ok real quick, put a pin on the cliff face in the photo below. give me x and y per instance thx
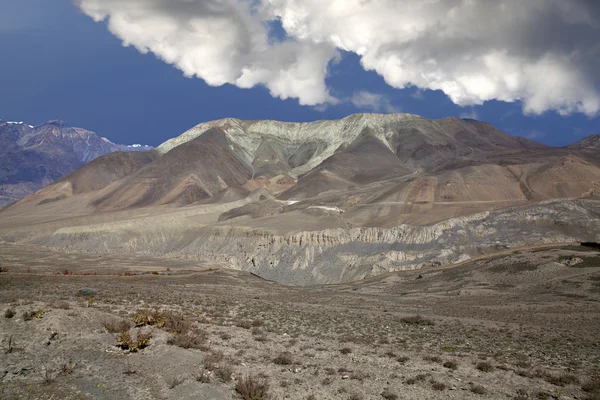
(331, 255)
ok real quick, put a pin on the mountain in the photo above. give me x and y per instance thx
(590, 142)
(324, 201)
(32, 157)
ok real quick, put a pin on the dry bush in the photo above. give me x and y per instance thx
(176, 322)
(31, 314)
(195, 339)
(284, 358)
(127, 342)
(244, 324)
(203, 376)
(592, 386)
(150, 317)
(212, 359)
(346, 350)
(453, 365)
(485, 366)
(417, 320)
(402, 359)
(477, 389)
(387, 395)
(434, 359)
(418, 378)
(174, 381)
(438, 385)
(9, 313)
(253, 388)
(563, 379)
(224, 372)
(116, 325)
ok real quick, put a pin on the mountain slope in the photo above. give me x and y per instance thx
(32, 157)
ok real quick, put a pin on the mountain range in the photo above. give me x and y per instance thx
(32, 157)
(325, 201)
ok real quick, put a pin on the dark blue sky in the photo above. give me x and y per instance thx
(56, 63)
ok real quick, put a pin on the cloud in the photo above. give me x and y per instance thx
(364, 100)
(470, 114)
(219, 41)
(544, 53)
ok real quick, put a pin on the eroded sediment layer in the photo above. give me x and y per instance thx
(331, 255)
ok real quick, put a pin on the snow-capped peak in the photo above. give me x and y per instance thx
(134, 145)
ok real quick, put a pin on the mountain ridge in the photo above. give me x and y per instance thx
(32, 157)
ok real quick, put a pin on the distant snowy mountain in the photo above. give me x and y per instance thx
(31, 157)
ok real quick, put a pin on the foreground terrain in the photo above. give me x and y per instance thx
(522, 324)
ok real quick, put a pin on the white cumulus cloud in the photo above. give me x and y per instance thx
(544, 53)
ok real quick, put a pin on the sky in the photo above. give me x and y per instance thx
(144, 71)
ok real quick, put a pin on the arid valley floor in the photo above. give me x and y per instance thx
(519, 325)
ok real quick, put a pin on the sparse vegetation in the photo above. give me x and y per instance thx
(284, 358)
(417, 320)
(150, 317)
(453, 365)
(477, 389)
(387, 395)
(134, 343)
(346, 350)
(9, 313)
(175, 381)
(418, 378)
(485, 366)
(251, 387)
(31, 314)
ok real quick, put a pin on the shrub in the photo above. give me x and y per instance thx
(438, 385)
(190, 340)
(453, 365)
(224, 372)
(434, 359)
(387, 395)
(126, 342)
(244, 324)
(203, 376)
(477, 389)
(146, 317)
(175, 381)
(592, 386)
(9, 313)
(561, 380)
(402, 359)
(417, 320)
(346, 350)
(252, 388)
(485, 366)
(418, 378)
(31, 314)
(284, 358)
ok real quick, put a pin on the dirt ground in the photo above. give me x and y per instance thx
(524, 325)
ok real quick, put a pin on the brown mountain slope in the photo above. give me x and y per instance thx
(194, 171)
(92, 177)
